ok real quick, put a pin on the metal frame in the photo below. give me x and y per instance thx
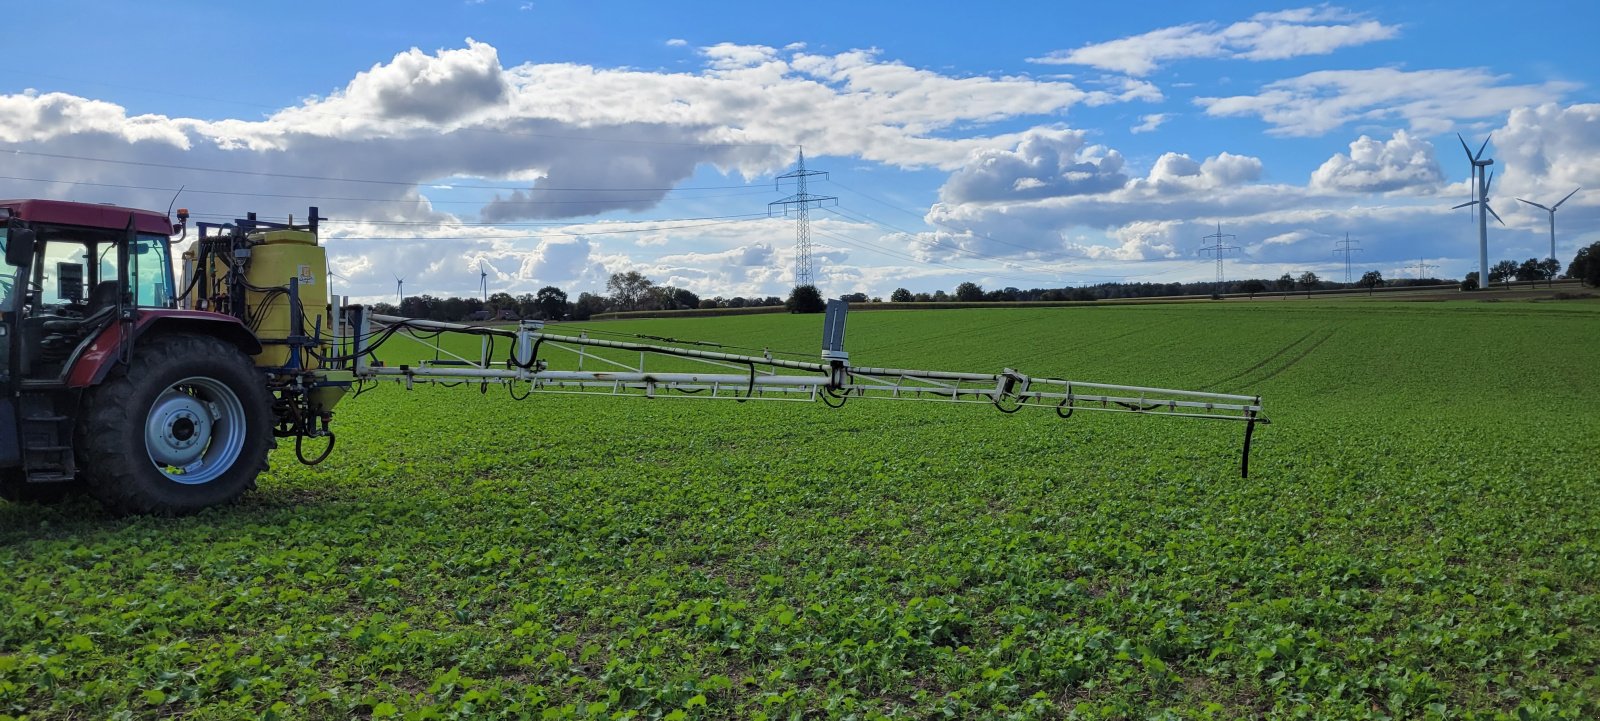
(834, 381)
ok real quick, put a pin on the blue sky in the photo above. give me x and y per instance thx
(1015, 144)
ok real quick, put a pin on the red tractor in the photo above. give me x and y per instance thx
(112, 389)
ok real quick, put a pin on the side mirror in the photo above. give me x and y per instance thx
(19, 247)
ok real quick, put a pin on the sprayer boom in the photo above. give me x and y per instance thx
(743, 377)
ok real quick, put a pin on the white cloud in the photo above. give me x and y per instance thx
(1375, 166)
(1429, 100)
(1149, 123)
(1265, 36)
(677, 42)
(1045, 163)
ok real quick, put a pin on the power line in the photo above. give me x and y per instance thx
(534, 236)
(371, 181)
(1218, 249)
(1347, 246)
(1423, 267)
(801, 204)
(613, 201)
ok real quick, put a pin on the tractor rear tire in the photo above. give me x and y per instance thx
(187, 427)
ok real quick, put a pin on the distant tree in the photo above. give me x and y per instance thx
(854, 297)
(939, 296)
(969, 292)
(628, 290)
(1470, 282)
(738, 301)
(385, 309)
(1252, 287)
(528, 305)
(684, 298)
(502, 301)
(1550, 268)
(805, 299)
(1502, 271)
(900, 295)
(708, 303)
(551, 303)
(1371, 279)
(588, 305)
(1310, 281)
(1286, 283)
(1585, 266)
(770, 300)
(1530, 270)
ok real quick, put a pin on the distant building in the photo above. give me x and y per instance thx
(481, 316)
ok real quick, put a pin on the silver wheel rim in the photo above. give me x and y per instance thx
(194, 431)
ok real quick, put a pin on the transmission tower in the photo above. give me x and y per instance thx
(801, 204)
(1347, 246)
(1218, 249)
(1423, 267)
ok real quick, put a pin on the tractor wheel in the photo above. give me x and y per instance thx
(186, 428)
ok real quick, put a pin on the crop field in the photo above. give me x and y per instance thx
(1419, 538)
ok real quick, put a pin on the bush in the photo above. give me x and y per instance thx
(805, 299)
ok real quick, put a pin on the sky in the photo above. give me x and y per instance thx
(1029, 145)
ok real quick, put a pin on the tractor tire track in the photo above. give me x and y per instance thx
(1213, 385)
(1300, 357)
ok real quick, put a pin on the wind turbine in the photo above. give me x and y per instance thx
(483, 281)
(1480, 186)
(399, 294)
(1552, 211)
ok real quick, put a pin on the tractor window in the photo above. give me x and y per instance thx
(57, 253)
(151, 272)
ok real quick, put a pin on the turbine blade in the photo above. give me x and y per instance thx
(1536, 205)
(1491, 212)
(1481, 147)
(1463, 205)
(1465, 148)
(1563, 200)
(1487, 184)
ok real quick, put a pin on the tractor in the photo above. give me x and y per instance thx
(148, 396)
(160, 389)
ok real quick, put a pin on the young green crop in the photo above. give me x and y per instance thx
(1419, 538)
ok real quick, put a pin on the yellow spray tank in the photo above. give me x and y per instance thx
(251, 276)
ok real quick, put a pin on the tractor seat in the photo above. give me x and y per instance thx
(103, 294)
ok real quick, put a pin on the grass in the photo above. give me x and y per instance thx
(1420, 538)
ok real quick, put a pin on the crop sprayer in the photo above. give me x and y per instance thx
(161, 389)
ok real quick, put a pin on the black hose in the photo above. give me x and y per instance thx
(828, 393)
(1064, 402)
(751, 391)
(299, 451)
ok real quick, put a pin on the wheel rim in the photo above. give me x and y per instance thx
(195, 430)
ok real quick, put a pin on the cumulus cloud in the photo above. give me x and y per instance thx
(1431, 101)
(437, 88)
(1149, 123)
(1178, 173)
(1265, 36)
(1045, 163)
(1376, 166)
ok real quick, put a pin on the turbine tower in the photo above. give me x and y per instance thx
(1480, 187)
(1552, 211)
(483, 281)
(802, 203)
(399, 286)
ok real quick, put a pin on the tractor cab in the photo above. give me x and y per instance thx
(71, 270)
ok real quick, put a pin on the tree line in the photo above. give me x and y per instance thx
(631, 291)
(624, 292)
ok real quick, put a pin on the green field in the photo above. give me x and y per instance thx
(1419, 538)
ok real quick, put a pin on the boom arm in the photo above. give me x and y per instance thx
(765, 377)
